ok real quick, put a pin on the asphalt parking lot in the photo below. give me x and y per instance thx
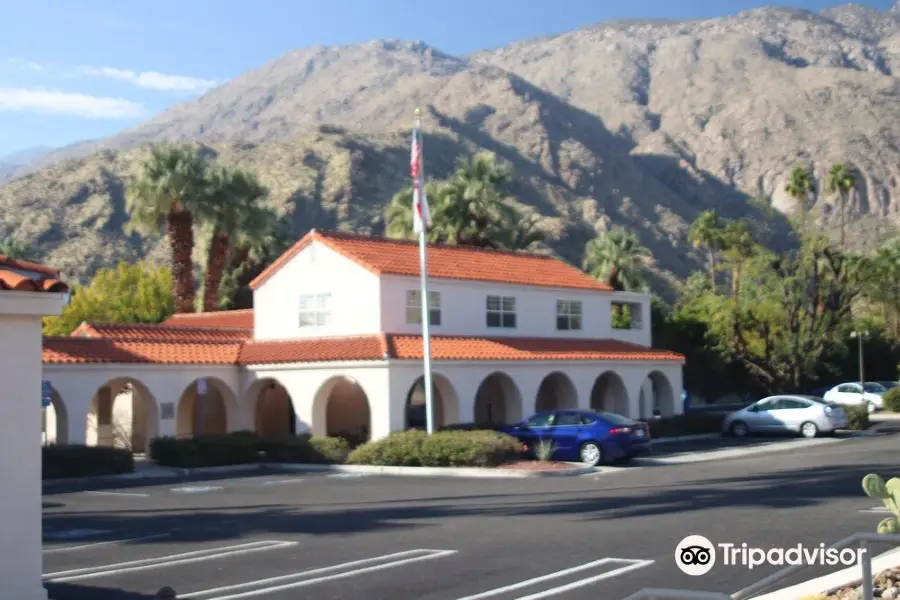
(318, 536)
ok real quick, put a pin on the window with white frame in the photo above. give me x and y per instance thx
(414, 307)
(315, 310)
(568, 315)
(501, 311)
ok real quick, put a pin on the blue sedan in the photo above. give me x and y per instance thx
(585, 436)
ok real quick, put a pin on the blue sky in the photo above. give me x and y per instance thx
(74, 70)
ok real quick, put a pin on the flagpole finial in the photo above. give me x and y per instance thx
(418, 112)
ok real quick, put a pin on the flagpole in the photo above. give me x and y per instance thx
(425, 306)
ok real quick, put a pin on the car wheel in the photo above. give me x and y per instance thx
(870, 406)
(809, 430)
(591, 453)
(739, 429)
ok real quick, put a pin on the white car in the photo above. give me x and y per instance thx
(851, 394)
(807, 415)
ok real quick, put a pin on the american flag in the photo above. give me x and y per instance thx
(421, 214)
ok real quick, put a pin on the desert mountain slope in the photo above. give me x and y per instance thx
(643, 124)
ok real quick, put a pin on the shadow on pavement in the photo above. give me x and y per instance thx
(787, 489)
(68, 591)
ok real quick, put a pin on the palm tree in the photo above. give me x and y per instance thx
(169, 189)
(706, 231)
(249, 256)
(618, 258)
(232, 212)
(842, 180)
(800, 185)
(738, 245)
(523, 235)
(13, 248)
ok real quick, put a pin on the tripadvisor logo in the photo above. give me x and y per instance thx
(695, 555)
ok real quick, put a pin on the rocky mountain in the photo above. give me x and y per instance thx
(12, 164)
(643, 124)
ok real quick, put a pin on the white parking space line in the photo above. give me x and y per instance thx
(99, 493)
(305, 578)
(166, 561)
(348, 475)
(631, 565)
(284, 481)
(107, 543)
(196, 489)
(877, 510)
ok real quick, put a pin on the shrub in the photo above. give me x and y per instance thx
(687, 424)
(442, 449)
(857, 417)
(85, 461)
(306, 449)
(470, 427)
(245, 447)
(892, 400)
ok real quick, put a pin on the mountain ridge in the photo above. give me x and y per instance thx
(643, 124)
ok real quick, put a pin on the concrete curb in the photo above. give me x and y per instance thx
(851, 576)
(156, 473)
(686, 438)
(475, 472)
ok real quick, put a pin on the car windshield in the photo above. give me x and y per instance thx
(875, 388)
(614, 419)
(815, 399)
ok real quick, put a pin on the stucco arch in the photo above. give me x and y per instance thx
(609, 394)
(206, 415)
(556, 392)
(498, 400)
(341, 409)
(123, 413)
(446, 402)
(273, 408)
(55, 421)
(662, 396)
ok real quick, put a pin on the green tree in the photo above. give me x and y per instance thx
(168, 193)
(470, 209)
(250, 256)
(706, 231)
(138, 293)
(737, 248)
(234, 216)
(15, 249)
(618, 258)
(800, 186)
(842, 179)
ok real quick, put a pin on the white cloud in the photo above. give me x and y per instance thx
(153, 80)
(23, 65)
(65, 103)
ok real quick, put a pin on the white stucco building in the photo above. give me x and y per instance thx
(333, 346)
(28, 292)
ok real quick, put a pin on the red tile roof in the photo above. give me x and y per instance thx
(384, 256)
(237, 319)
(24, 276)
(150, 332)
(98, 350)
(217, 348)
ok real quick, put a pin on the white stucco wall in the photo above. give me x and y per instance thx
(464, 310)
(20, 427)
(355, 296)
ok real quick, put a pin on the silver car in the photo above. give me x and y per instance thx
(807, 415)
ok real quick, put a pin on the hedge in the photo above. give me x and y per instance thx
(857, 417)
(442, 449)
(892, 400)
(85, 461)
(687, 424)
(245, 447)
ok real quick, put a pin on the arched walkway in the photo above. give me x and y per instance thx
(55, 421)
(446, 403)
(123, 413)
(661, 395)
(341, 409)
(610, 395)
(498, 400)
(274, 412)
(204, 407)
(556, 392)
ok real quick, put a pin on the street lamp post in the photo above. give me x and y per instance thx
(860, 336)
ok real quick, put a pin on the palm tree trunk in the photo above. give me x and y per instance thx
(181, 240)
(736, 282)
(215, 267)
(712, 269)
(843, 219)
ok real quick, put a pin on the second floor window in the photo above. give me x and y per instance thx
(315, 310)
(501, 311)
(414, 307)
(568, 315)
